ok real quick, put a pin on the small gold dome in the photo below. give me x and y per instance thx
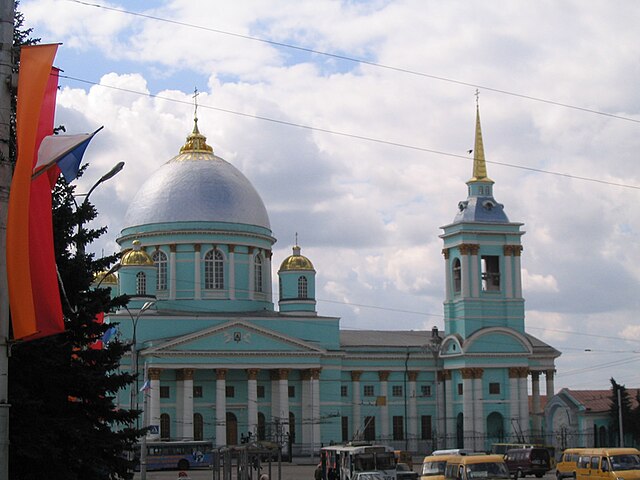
(296, 262)
(136, 256)
(105, 278)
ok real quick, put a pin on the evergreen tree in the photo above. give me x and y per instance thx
(614, 412)
(64, 422)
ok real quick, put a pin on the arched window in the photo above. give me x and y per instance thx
(198, 426)
(457, 275)
(141, 283)
(214, 270)
(292, 427)
(302, 287)
(165, 426)
(160, 259)
(257, 271)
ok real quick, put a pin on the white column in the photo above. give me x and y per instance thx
(307, 419)
(266, 274)
(413, 413)
(514, 398)
(252, 402)
(185, 377)
(172, 272)
(535, 404)
(475, 274)
(447, 274)
(356, 421)
(517, 275)
(275, 398)
(441, 411)
(467, 407)
(550, 387)
(383, 376)
(197, 273)
(232, 273)
(154, 401)
(524, 405)
(315, 408)
(478, 413)
(179, 406)
(284, 401)
(221, 407)
(448, 415)
(508, 271)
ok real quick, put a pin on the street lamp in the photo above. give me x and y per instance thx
(80, 244)
(134, 351)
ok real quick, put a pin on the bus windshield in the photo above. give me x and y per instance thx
(625, 462)
(487, 470)
(434, 468)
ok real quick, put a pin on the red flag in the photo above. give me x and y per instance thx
(34, 120)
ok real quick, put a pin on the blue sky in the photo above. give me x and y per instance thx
(368, 213)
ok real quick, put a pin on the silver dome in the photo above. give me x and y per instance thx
(197, 186)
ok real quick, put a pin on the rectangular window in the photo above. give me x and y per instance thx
(370, 429)
(459, 389)
(292, 391)
(398, 427)
(197, 391)
(368, 391)
(343, 391)
(260, 391)
(425, 430)
(345, 429)
(230, 391)
(164, 391)
(426, 390)
(494, 388)
(490, 273)
(396, 390)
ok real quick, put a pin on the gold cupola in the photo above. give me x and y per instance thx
(296, 262)
(196, 142)
(136, 256)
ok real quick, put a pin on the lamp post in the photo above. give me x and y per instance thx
(80, 244)
(134, 351)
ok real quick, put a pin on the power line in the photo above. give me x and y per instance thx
(350, 135)
(358, 60)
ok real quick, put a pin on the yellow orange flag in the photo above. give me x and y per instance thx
(35, 67)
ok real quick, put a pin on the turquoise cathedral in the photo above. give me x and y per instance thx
(220, 360)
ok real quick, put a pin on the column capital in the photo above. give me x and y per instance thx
(172, 248)
(383, 375)
(478, 372)
(196, 247)
(535, 375)
(355, 375)
(445, 253)
(469, 248)
(315, 373)
(550, 373)
(280, 374)
(252, 373)
(232, 248)
(413, 375)
(154, 373)
(518, 372)
(444, 375)
(305, 375)
(468, 373)
(184, 374)
(221, 373)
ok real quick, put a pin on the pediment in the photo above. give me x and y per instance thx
(237, 336)
(497, 340)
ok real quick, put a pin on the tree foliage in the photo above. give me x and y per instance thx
(624, 408)
(64, 420)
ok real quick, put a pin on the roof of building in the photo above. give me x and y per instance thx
(296, 262)
(384, 338)
(599, 400)
(197, 185)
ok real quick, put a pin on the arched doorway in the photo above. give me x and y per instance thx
(232, 429)
(460, 430)
(495, 428)
(198, 426)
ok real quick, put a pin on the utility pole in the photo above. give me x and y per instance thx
(6, 63)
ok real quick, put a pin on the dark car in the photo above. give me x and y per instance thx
(528, 461)
(404, 472)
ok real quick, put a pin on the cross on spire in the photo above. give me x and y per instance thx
(477, 94)
(196, 93)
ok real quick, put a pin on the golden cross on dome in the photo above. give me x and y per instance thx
(196, 93)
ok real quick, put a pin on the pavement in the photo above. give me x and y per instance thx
(289, 471)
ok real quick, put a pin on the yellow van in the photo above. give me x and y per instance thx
(608, 464)
(433, 466)
(474, 467)
(568, 463)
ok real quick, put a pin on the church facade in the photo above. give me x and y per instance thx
(221, 361)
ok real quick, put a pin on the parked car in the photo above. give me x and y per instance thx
(404, 472)
(528, 461)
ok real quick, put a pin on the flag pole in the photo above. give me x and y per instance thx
(6, 62)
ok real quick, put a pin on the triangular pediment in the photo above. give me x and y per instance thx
(237, 336)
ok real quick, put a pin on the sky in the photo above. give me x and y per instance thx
(353, 121)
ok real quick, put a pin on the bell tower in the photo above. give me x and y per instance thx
(482, 258)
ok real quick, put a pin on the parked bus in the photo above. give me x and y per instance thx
(608, 464)
(357, 461)
(178, 455)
